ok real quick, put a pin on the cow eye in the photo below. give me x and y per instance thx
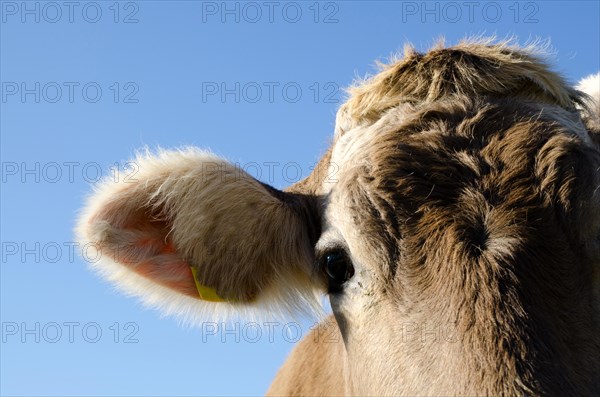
(338, 268)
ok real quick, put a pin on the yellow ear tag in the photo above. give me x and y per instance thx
(206, 293)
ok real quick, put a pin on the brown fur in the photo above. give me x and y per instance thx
(467, 69)
(316, 365)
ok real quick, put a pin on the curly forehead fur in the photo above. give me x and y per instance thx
(468, 69)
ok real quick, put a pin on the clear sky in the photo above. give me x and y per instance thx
(85, 84)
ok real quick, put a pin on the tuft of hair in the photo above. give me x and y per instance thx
(173, 179)
(472, 68)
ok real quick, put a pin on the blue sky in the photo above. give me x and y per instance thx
(84, 85)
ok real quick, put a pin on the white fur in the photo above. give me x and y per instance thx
(591, 86)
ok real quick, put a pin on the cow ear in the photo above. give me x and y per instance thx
(195, 235)
(590, 113)
(590, 109)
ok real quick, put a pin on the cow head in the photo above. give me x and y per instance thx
(459, 242)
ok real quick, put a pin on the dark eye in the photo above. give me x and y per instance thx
(338, 268)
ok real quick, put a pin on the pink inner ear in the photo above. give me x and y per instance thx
(165, 267)
(142, 245)
(180, 278)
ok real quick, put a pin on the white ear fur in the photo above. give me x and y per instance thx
(591, 116)
(591, 86)
(178, 181)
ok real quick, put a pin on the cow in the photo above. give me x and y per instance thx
(466, 198)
